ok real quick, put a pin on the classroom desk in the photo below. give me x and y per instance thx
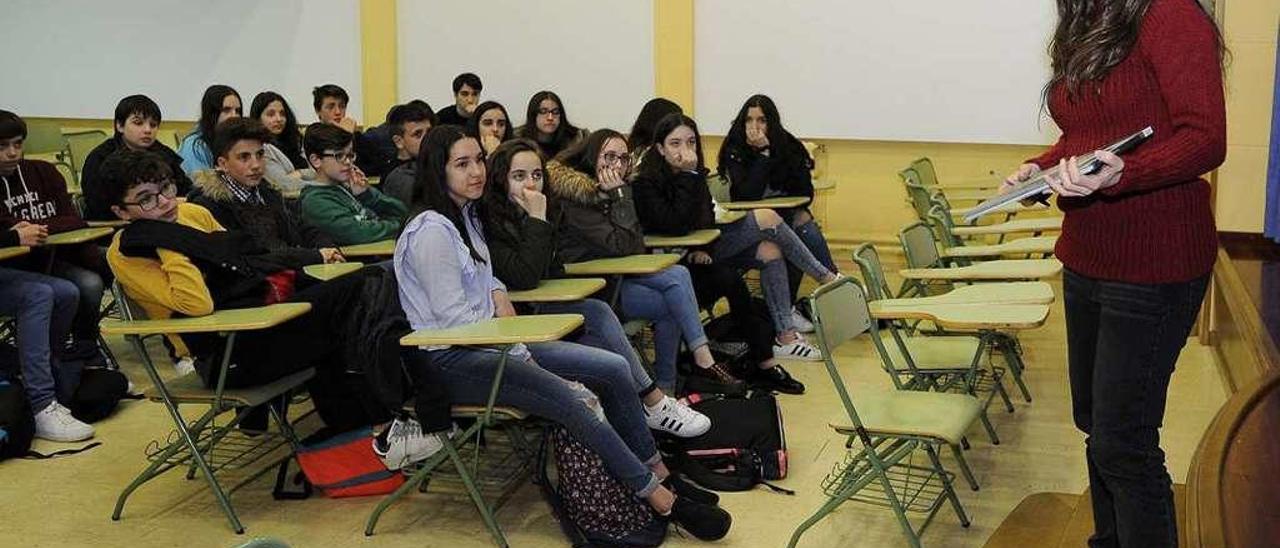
(692, 239)
(117, 223)
(79, 236)
(987, 293)
(965, 317)
(15, 251)
(384, 248)
(222, 321)
(558, 290)
(725, 217)
(505, 330)
(780, 202)
(631, 264)
(1022, 246)
(1006, 209)
(326, 272)
(1010, 227)
(1016, 269)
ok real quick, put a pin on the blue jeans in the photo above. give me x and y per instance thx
(665, 298)
(91, 285)
(540, 386)
(44, 307)
(601, 329)
(737, 246)
(1123, 340)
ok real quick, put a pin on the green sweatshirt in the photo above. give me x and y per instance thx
(348, 219)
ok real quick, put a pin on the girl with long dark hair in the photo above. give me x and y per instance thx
(1138, 238)
(218, 103)
(547, 123)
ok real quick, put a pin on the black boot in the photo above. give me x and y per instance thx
(775, 378)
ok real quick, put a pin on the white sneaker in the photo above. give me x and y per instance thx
(677, 418)
(801, 323)
(403, 443)
(55, 423)
(184, 366)
(798, 349)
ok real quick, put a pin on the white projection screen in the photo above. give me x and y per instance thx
(903, 70)
(77, 58)
(596, 55)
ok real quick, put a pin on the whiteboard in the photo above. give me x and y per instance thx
(77, 58)
(903, 70)
(597, 55)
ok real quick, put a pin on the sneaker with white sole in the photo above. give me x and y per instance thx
(798, 349)
(184, 365)
(669, 415)
(801, 323)
(55, 423)
(403, 443)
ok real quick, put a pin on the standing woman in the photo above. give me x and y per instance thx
(1138, 239)
(547, 123)
(219, 103)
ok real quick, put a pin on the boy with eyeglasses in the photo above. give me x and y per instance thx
(341, 203)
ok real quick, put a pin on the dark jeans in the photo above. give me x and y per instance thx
(713, 281)
(1123, 340)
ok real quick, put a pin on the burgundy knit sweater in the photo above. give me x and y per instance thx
(1155, 225)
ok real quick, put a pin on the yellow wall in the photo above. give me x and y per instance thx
(1249, 27)
(673, 51)
(379, 65)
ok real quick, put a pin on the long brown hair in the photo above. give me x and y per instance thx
(1093, 36)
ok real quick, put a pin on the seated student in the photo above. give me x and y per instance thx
(286, 167)
(219, 103)
(446, 279)
(600, 221)
(762, 160)
(547, 123)
(491, 124)
(236, 197)
(466, 94)
(520, 230)
(42, 308)
(330, 102)
(408, 124)
(641, 137)
(341, 203)
(175, 259)
(36, 193)
(672, 198)
(137, 118)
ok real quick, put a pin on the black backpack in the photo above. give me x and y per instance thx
(17, 426)
(594, 509)
(745, 447)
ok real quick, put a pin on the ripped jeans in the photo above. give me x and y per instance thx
(550, 385)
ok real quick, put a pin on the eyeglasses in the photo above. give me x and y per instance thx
(546, 111)
(150, 200)
(341, 157)
(619, 159)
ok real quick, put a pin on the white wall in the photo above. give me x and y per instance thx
(904, 70)
(77, 58)
(596, 54)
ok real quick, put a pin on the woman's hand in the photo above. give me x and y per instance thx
(608, 179)
(1025, 171)
(1068, 181)
(532, 202)
(756, 137)
(331, 255)
(502, 306)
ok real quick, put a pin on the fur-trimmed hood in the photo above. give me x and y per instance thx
(209, 183)
(567, 183)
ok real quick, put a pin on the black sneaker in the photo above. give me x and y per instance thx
(690, 491)
(719, 373)
(703, 521)
(776, 378)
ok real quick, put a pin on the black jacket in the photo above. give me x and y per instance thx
(753, 175)
(523, 249)
(97, 205)
(673, 203)
(595, 224)
(301, 242)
